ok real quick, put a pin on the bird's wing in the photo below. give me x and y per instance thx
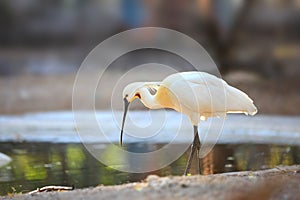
(208, 95)
(196, 91)
(197, 78)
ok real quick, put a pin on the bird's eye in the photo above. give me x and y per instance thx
(152, 90)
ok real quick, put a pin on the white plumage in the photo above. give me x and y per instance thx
(197, 94)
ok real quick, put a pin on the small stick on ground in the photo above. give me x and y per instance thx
(51, 188)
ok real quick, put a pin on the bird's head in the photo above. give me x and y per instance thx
(132, 92)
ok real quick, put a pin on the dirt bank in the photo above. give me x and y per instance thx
(278, 183)
(29, 93)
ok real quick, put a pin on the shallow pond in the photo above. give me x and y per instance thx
(39, 164)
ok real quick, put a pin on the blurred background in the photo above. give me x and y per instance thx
(256, 45)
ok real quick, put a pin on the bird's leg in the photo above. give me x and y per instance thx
(198, 145)
(188, 166)
(195, 146)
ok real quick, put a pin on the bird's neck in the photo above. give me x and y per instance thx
(148, 99)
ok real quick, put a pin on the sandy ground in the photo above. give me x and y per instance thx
(20, 94)
(278, 183)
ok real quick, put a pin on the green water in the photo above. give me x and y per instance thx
(39, 164)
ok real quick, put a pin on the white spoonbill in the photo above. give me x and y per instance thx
(199, 95)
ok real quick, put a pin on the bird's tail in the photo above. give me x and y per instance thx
(239, 102)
